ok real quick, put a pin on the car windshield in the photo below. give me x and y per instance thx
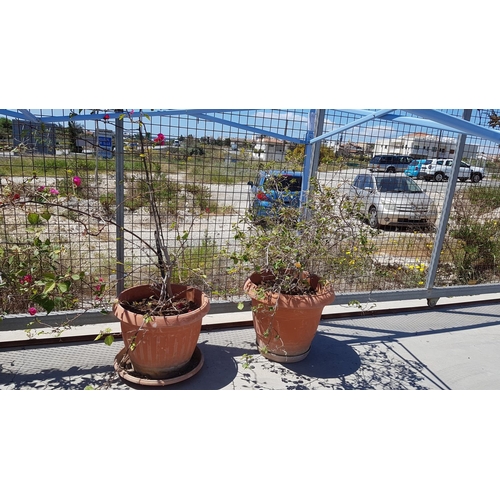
(397, 185)
(283, 183)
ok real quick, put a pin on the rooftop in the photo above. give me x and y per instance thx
(400, 345)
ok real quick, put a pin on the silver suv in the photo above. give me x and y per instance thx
(392, 200)
(389, 163)
(439, 169)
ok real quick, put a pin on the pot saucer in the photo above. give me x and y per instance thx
(127, 373)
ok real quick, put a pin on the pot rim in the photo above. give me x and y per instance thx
(124, 315)
(324, 296)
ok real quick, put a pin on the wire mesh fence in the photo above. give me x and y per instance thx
(66, 161)
(423, 157)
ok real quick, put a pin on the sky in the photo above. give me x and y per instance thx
(289, 122)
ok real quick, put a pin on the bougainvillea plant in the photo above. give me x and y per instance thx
(42, 283)
(35, 274)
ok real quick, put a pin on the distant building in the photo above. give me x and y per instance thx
(421, 145)
(269, 149)
(350, 148)
(86, 142)
(33, 136)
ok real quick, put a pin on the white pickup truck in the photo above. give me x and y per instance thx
(440, 169)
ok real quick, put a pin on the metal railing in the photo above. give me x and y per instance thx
(203, 170)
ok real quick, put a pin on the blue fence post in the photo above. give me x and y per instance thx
(120, 197)
(445, 212)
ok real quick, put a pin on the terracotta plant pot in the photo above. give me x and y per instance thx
(164, 345)
(286, 324)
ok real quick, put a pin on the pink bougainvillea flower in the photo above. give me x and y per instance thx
(32, 311)
(160, 139)
(26, 279)
(41, 188)
(16, 196)
(54, 191)
(77, 181)
(131, 111)
(106, 117)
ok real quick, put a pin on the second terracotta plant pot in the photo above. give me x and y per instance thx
(286, 324)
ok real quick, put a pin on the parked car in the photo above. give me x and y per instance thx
(414, 167)
(389, 163)
(466, 171)
(392, 200)
(439, 169)
(272, 186)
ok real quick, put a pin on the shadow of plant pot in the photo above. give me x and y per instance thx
(219, 370)
(328, 358)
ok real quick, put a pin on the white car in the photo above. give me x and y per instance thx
(439, 169)
(392, 200)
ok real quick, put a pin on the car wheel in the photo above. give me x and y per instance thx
(476, 177)
(439, 177)
(373, 218)
(391, 170)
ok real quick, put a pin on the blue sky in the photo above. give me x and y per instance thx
(290, 122)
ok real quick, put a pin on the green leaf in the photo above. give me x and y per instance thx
(46, 215)
(49, 287)
(88, 388)
(33, 219)
(45, 302)
(240, 306)
(109, 340)
(63, 286)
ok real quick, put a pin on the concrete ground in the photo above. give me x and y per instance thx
(455, 345)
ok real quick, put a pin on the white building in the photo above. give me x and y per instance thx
(269, 149)
(421, 145)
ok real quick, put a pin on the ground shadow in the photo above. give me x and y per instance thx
(74, 378)
(219, 370)
(328, 358)
(334, 364)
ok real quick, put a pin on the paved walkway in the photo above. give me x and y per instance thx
(451, 346)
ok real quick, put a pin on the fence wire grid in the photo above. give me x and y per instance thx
(203, 163)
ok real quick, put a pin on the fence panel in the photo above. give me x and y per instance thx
(403, 252)
(93, 196)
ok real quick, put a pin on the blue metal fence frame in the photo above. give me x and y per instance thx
(314, 135)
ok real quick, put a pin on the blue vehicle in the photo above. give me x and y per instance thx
(414, 167)
(274, 188)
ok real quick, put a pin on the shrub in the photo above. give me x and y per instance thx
(32, 274)
(474, 237)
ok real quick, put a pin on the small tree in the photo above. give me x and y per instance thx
(5, 128)
(74, 132)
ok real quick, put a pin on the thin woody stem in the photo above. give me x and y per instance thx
(164, 261)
